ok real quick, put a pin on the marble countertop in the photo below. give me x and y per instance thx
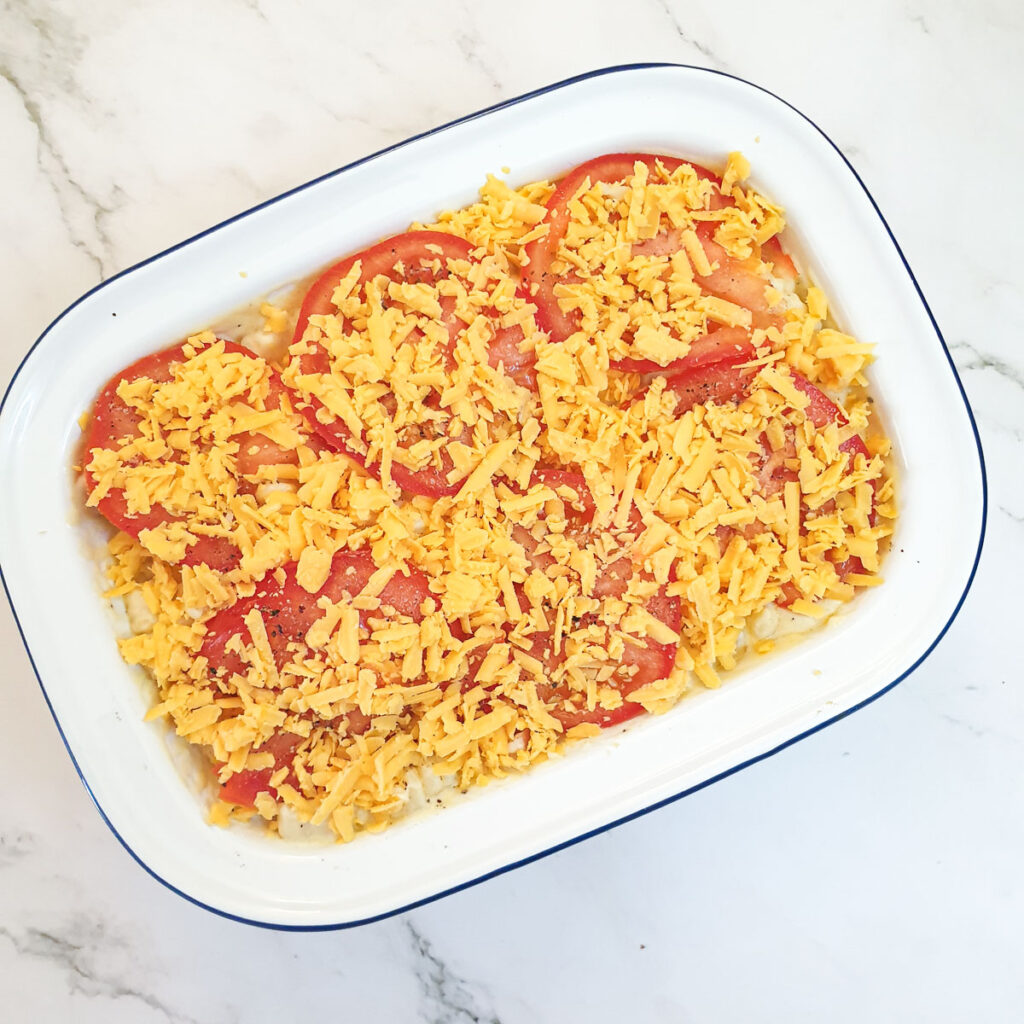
(872, 871)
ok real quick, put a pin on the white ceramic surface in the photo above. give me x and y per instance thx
(98, 702)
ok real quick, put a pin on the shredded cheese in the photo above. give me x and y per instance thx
(545, 600)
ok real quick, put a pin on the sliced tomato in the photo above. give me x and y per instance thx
(782, 265)
(413, 257)
(356, 722)
(726, 382)
(821, 411)
(740, 281)
(664, 243)
(538, 279)
(243, 787)
(776, 468)
(289, 610)
(790, 593)
(504, 351)
(257, 450)
(416, 251)
(643, 661)
(112, 420)
(579, 507)
(718, 382)
(726, 344)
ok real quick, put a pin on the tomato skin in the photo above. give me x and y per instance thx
(288, 611)
(429, 482)
(243, 787)
(112, 419)
(742, 282)
(109, 421)
(652, 661)
(408, 248)
(821, 410)
(538, 281)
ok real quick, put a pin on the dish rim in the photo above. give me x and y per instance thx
(597, 73)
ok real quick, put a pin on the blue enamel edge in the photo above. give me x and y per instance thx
(661, 803)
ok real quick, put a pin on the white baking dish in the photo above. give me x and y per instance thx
(98, 702)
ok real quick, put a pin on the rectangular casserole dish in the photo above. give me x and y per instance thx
(98, 702)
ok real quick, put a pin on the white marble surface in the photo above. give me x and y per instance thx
(872, 872)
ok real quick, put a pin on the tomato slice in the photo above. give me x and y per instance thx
(782, 265)
(579, 508)
(413, 257)
(289, 610)
(821, 411)
(740, 281)
(643, 660)
(726, 344)
(504, 351)
(112, 420)
(720, 382)
(408, 258)
(538, 280)
(243, 787)
(725, 382)
(416, 251)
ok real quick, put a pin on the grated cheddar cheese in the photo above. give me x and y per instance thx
(607, 531)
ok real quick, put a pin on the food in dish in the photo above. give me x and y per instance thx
(518, 476)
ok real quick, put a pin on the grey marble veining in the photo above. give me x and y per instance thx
(870, 872)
